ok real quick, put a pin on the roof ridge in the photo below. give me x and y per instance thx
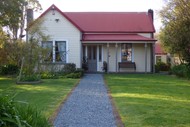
(120, 22)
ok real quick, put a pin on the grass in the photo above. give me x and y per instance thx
(46, 96)
(150, 100)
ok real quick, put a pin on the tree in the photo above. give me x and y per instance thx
(13, 15)
(175, 33)
(33, 53)
(3, 40)
(12, 25)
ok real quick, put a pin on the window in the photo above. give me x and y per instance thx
(126, 52)
(158, 59)
(60, 51)
(57, 54)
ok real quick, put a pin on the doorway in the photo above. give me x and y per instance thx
(92, 58)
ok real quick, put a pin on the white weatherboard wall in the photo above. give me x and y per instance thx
(63, 30)
(112, 56)
(148, 35)
(139, 57)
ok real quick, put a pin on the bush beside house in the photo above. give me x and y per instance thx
(181, 70)
(161, 66)
(9, 69)
(68, 71)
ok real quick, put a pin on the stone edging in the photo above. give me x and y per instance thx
(29, 82)
(117, 117)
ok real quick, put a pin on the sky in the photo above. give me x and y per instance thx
(106, 6)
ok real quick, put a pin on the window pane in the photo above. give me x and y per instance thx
(49, 46)
(126, 52)
(60, 51)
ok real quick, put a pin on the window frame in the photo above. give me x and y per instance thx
(158, 59)
(131, 52)
(51, 54)
(54, 51)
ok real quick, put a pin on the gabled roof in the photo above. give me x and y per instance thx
(109, 22)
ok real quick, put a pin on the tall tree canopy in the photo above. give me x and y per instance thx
(175, 33)
(12, 25)
(13, 15)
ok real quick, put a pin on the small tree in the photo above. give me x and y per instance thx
(33, 53)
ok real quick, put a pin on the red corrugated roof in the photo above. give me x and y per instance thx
(115, 37)
(158, 49)
(114, 22)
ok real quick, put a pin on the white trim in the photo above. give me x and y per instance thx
(102, 57)
(67, 50)
(116, 57)
(86, 51)
(120, 52)
(97, 57)
(146, 46)
(53, 51)
(132, 47)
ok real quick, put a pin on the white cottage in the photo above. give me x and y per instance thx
(123, 40)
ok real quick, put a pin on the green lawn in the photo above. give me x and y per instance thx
(47, 96)
(151, 100)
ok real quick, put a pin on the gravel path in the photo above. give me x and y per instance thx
(88, 105)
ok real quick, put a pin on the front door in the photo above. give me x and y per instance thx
(92, 58)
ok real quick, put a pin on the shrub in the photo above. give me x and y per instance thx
(188, 73)
(69, 68)
(157, 68)
(160, 66)
(74, 75)
(181, 70)
(69, 71)
(32, 77)
(49, 75)
(9, 69)
(14, 115)
(79, 70)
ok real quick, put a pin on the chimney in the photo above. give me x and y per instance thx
(29, 19)
(151, 13)
(29, 16)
